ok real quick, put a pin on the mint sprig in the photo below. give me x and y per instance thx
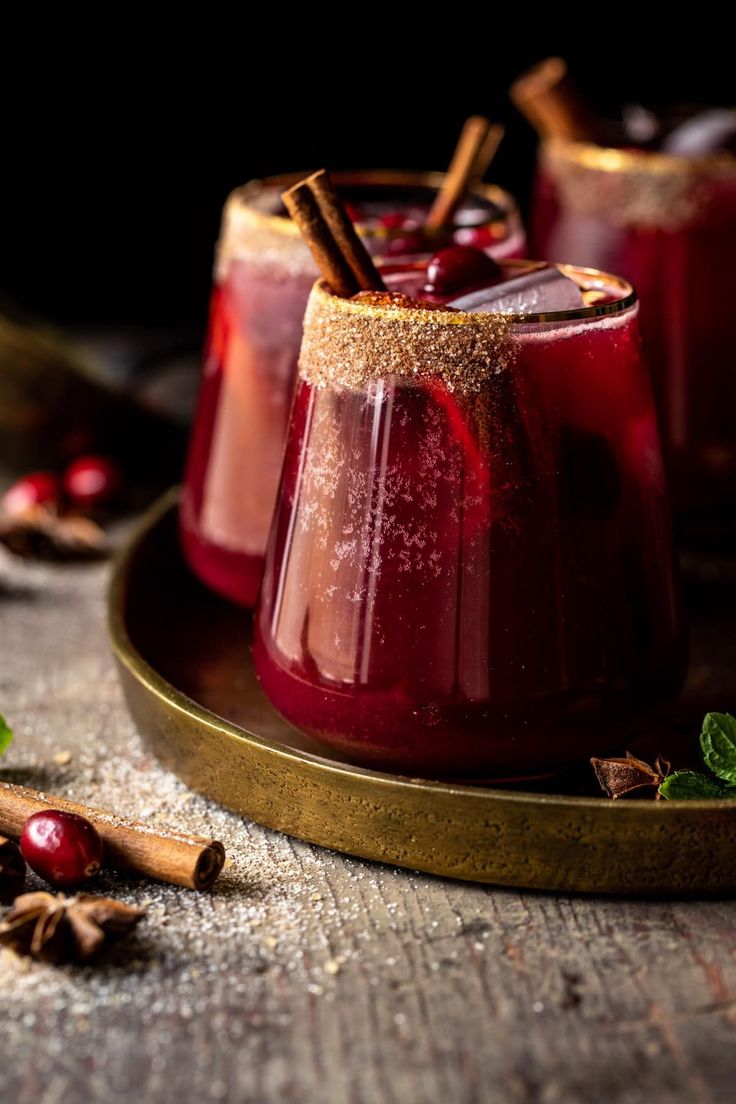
(718, 747)
(6, 735)
(691, 785)
(718, 744)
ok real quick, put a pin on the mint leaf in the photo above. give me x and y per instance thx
(718, 744)
(6, 734)
(689, 785)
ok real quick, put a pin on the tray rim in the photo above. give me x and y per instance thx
(142, 672)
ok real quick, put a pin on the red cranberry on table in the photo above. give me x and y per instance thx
(92, 481)
(36, 489)
(63, 848)
(460, 268)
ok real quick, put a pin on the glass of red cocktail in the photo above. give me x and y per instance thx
(469, 571)
(668, 223)
(262, 280)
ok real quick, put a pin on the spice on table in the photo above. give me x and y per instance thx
(39, 533)
(59, 929)
(168, 856)
(621, 776)
(718, 750)
(12, 870)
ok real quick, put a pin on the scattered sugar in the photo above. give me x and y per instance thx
(285, 923)
(270, 904)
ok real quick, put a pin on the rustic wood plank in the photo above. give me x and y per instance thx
(310, 976)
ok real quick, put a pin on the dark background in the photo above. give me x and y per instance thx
(124, 131)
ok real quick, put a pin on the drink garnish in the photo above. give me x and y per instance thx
(618, 777)
(621, 776)
(552, 104)
(476, 148)
(324, 224)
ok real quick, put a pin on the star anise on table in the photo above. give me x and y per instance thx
(56, 928)
(619, 777)
(40, 533)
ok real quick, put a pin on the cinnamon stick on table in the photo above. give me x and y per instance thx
(343, 260)
(474, 152)
(548, 98)
(172, 857)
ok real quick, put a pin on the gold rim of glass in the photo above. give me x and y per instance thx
(387, 178)
(591, 281)
(611, 159)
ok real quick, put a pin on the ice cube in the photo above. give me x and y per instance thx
(707, 132)
(545, 289)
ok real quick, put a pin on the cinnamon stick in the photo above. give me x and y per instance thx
(344, 233)
(548, 98)
(172, 857)
(340, 255)
(478, 142)
(302, 205)
(487, 152)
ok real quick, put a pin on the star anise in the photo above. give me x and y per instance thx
(56, 928)
(39, 533)
(12, 869)
(619, 777)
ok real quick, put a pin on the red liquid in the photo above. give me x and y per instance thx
(236, 445)
(237, 441)
(684, 280)
(481, 585)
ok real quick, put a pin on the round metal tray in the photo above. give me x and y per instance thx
(185, 664)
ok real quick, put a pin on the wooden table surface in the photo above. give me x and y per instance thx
(309, 976)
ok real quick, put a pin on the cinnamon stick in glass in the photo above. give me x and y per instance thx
(487, 152)
(475, 149)
(344, 233)
(550, 101)
(340, 255)
(167, 856)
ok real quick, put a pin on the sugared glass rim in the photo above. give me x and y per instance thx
(349, 342)
(611, 159)
(387, 178)
(592, 280)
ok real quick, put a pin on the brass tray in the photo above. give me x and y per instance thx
(184, 660)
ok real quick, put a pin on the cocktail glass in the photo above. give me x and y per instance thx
(470, 571)
(262, 280)
(668, 224)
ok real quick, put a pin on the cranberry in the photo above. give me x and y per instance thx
(37, 489)
(393, 220)
(460, 268)
(12, 870)
(63, 848)
(91, 481)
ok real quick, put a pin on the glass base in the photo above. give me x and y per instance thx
(233, 575)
